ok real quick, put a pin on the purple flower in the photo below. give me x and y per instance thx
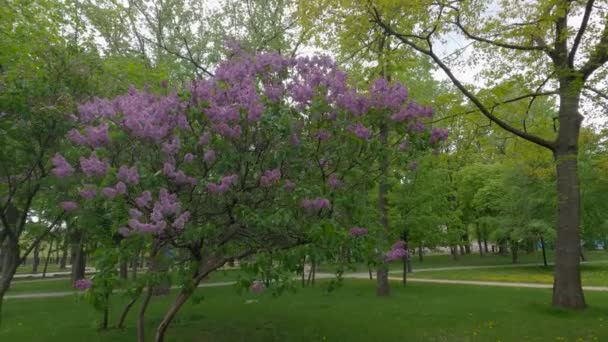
(181, 220)
(209, 156)
(358, 231)
(322, 135)
(88, 193)
(334, 182)
(61, 166)
(93, 166)
(75, 137)
(110, 193)
(404, 146)
(121, 188)
(172, 147)
(83, 284)
(289, 185)
(68, 206)
(128, 175)
(316, 204)
(270, 177)
(395, 254)
(438, 135)
(188, 158)
(257, 287)
(134, 213)
(204, 139)
(98, 136)
(143, 201)
(124, 231)
(360, 131)
(223, 185)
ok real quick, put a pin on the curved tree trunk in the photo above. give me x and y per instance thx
(181, 298)
(567, 287)
(141, 324)
(125, 311)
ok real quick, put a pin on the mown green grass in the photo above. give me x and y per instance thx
(65, 284)
(594, 274)
(445, 260)
(421, 312)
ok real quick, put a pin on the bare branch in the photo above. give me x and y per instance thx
(599, 55)
(581, 32)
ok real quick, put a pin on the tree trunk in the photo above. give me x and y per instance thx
(125, 311)
(170, 315)
(454, 252)
(369, 269)
(485, 245)
(567, 287)
(420, 253)
(514, 254)
(10, 262)
(141, 324)
(64, 255)
(583, 256)
(48, 258)
(542, 245)
(78, 261)
(382, 284)
(405, 270)
(478, 231)
(134, 263)
(36, 260)
(461, 247)
(124, 269)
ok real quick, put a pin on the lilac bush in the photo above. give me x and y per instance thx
(254, 158)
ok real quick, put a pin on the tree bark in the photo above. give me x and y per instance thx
(420, 253)
(170, 315)
(514, 252)
(567, 287)
(478, 232)
(141, 324)
(36, 260)
(542, 245)
(78, 260)
(10, 262)
(64, 255)
(48, 258)
(382, 284)
(125, 311)
(405, 270)
(485, 245)
(124, 269)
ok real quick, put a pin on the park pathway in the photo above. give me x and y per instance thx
(362, 275)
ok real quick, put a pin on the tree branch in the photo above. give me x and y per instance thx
(482, 108)
(41, 237)
(599, 56)
(581, 32)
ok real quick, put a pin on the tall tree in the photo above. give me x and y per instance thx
(538, 47)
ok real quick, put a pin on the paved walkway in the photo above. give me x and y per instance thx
(365, 275)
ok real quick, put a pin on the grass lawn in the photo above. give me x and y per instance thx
(446, 260)
(50, 268)
(65, 284)
(592, 274)
(422, 312)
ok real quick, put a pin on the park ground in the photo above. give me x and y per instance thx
(351, 312)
